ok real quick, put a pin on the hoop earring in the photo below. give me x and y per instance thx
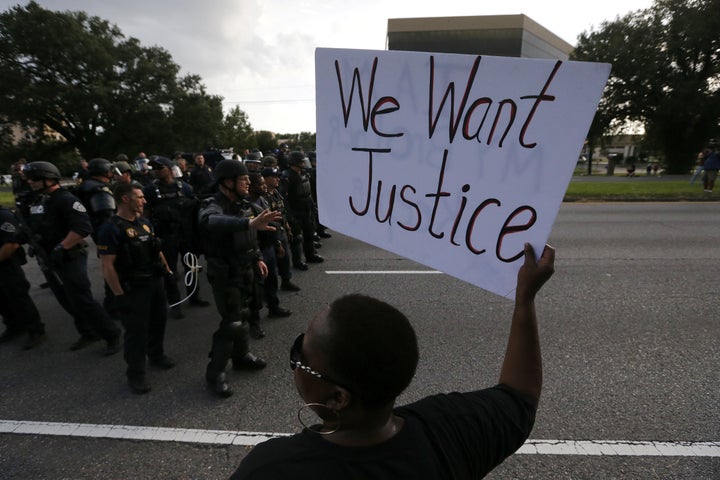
(316, 430)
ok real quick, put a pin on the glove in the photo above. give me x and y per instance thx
(122, 304)
(58, 255)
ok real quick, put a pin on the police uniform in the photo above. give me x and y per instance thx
(173, 212)
(298, 192)
(143, 309)
(201, 180)
(16, 306)
(51, 218)
(268, 241)
(231, 253)
(98, 200)
(277, 204)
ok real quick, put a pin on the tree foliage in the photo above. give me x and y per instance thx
(300, 141)
(103, 92)
(665, 74)
(237, 131)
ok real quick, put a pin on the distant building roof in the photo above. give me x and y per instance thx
(501, 35)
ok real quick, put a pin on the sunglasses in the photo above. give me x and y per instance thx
(295, 362)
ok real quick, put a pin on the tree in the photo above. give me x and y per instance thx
(265, 141)
(236, 131)
(665, 74)
(196, 118)
(300, 141)
(79, 76)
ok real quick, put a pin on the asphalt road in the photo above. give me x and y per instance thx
(629, 327)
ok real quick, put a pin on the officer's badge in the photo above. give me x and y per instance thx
(8, 227)
(130, 232)
(79, 207)
(146, 227)
(37, 209)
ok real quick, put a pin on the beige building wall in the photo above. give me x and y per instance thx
(502, 35)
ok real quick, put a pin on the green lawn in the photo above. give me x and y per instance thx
(6, 197)
(637, 189)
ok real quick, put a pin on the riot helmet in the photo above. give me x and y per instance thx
(123, 167)
(41, 171)
(229, 169)
(99, 167)
(297, 159)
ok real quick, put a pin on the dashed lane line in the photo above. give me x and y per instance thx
(223, 437)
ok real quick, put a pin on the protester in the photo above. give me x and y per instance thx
(357, 355)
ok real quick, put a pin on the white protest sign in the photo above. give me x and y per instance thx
(454, 161)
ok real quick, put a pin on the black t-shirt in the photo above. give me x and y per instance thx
(133, 243)
(446, 436)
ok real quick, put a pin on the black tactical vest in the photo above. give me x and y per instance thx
(138, 251)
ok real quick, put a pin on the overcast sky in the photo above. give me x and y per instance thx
(259, 54)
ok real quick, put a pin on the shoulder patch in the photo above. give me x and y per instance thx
(8, 227)
(79, 207)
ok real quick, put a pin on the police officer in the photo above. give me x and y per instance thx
(18, 310)
(134, 268)
(172, 208)
(201, 177)
(268, 242)
(95, 193)
(277, 204)
(60, 223)
(232, 254)
(124, 174)
(297, 191)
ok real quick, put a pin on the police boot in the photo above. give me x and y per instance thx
(288, 286)
(296, 251)
(222, 349)
(218, 384)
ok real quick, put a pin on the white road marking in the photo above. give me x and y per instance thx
(223, 437)
(380, 272)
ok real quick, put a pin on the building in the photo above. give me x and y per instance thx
(499, 35)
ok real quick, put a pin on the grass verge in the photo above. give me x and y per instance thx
(632, 191)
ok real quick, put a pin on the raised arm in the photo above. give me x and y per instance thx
(522, 367)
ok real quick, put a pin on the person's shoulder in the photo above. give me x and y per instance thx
(468, 403)
(66, 199)
(186, 187)
(108, 232)
(7, 215)
(275, 455)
